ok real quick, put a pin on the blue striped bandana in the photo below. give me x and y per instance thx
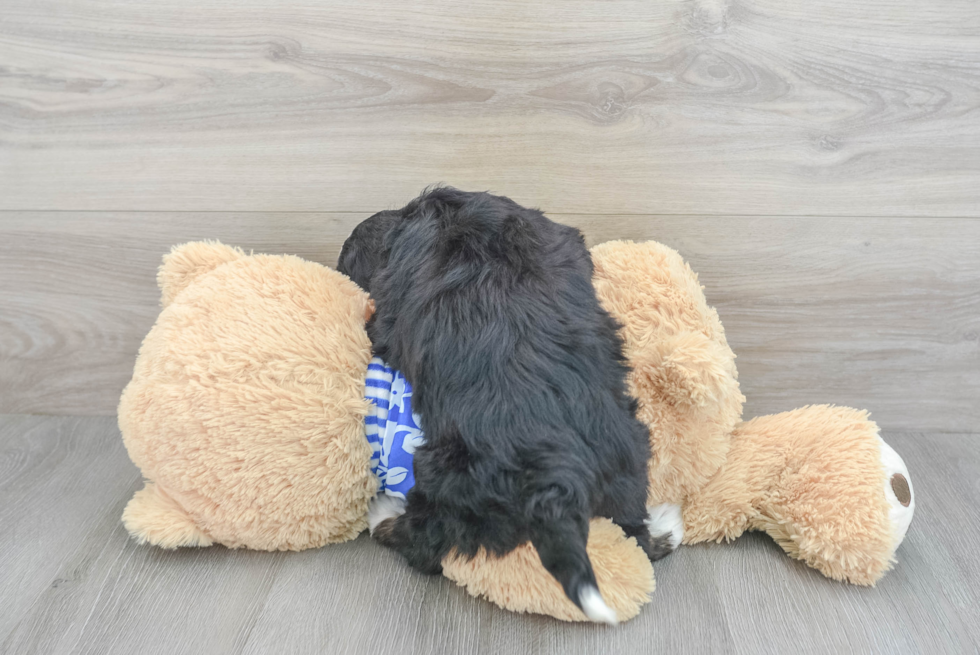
(392, 429)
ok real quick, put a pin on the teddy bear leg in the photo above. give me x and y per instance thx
(519, 582)
(824, 483)
(151, 516)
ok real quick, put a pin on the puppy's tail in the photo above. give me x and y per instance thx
(561, 547)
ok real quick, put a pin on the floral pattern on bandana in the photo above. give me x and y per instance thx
(392, 428)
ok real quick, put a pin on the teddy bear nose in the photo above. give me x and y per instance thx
(901, 488)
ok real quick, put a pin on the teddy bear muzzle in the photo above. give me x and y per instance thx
(898, 492)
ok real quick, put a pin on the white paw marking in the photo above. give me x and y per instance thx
(595, 608)
(666, 519)
(384, 507)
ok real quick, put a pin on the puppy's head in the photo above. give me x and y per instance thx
(366, 249)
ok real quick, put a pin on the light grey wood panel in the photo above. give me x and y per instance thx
(84, 587)
(72, 581)
(63, 482)
(882, 314)
(681, 106)
(879, 314)
(78, 293)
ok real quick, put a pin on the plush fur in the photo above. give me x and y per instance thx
(818, 479)
(246, 408)
(518, 582)
(785, 474)
(682, 369)
(245, 414)
(488, 309)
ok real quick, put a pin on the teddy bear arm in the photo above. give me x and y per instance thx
(727, 505)
(683, 372)
(689, 396)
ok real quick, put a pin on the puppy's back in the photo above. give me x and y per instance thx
(488, 308)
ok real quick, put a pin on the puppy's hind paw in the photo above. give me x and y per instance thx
(384, 507)
(666, 525)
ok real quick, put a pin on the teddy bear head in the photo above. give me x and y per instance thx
(246, 408)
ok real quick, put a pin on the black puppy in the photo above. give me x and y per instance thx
(488, 309)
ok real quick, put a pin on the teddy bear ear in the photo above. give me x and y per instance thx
(189, 261)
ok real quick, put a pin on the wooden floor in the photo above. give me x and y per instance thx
(816, 161)
(71, 581)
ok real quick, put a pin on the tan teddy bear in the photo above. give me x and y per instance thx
(819, 480)
(245, 414)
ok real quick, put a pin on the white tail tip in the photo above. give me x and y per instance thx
(595, 608)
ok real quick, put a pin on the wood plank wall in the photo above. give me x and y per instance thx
(817, 161)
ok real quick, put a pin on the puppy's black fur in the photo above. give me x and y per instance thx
(488, 310)
(365, 251)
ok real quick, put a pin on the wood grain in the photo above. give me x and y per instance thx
(807, 611)
(776, 107)
(63, 484)
(882, 314)
(72, 582)
(879, 314)
(816, 161)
